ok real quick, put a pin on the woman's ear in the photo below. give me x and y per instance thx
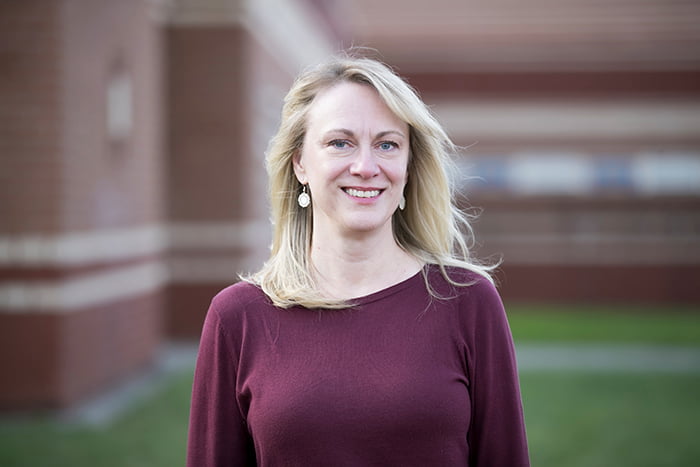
(298, 166)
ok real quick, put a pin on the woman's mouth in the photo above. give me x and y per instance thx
(362, 193)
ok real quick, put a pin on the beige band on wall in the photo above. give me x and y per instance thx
(595, 249)
(197, 253)
(84, 248)
(471, 120)
(67, 295)
(79, 248)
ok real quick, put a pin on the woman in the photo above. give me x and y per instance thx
(370, 337)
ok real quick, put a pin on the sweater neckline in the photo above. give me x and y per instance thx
(391, 290)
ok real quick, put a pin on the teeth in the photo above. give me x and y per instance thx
(362, 193)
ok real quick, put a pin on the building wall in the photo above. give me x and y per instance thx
(132, 182)
(111, 177)
(81, 240)
(30, 117)
(588, 182)
(207, 143)
(604, 249)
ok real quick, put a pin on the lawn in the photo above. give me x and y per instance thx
(622, 325)
(151, 434)
(590, 419)
(573, 418)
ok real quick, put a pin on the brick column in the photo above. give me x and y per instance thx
(81, 198)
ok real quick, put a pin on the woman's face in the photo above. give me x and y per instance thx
(354, 159)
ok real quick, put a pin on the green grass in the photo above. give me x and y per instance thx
(622, 325)
(584, 419)
(151, 434)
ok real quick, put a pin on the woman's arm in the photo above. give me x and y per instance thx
(218, 435)
(497, 433)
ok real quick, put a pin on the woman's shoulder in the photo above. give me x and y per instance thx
(238, 298)
(469, 288)
(472, 296)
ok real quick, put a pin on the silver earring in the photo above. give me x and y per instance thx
(304, 199)
(402, 202)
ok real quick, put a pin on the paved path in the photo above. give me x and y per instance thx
(101, 410)
(610, 357)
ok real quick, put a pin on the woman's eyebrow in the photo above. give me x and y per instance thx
(344, 131)
(381, 134)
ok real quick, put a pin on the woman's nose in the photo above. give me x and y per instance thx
(365, 163)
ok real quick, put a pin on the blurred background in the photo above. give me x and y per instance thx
(133, 132)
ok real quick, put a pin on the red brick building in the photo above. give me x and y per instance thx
(132, 137)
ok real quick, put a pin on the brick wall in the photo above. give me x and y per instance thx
(51, 360)
(132, 187)
(601, 226)
(30, 123)
(81, 209)
(109, 180)
(634, 250)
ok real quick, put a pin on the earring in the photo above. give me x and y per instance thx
(402, 202)
(304, 199)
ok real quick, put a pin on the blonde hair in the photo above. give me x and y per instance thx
(431, 227)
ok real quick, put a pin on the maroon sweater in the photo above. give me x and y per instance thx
(401, 379)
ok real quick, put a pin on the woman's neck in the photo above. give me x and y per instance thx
(346, 268)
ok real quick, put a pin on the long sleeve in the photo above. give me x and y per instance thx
(497, 433)
(218, 435)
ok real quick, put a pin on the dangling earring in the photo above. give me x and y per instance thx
(304, 199)
(402, 202)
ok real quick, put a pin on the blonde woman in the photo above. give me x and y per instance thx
(370, 337)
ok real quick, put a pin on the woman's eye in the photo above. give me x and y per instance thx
(338, 144)
(387, 145)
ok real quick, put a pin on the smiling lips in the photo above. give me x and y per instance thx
(362, 193)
